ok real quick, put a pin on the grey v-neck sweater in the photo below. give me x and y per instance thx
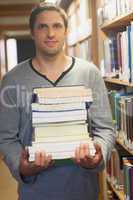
(69, 182)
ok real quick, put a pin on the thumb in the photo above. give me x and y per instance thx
(97, 147)
(25, 154)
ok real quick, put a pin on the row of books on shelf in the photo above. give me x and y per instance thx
(80, 32)
(128, 177)
(115, 172)
(121, 176)
(59, 120)
(78, 12)
(113, 8)
(86, 49)
(122, 112)
(83, 50)
(118, 54)
(79, 21)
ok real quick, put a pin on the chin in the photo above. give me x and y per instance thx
(52, 53)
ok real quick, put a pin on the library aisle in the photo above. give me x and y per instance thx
(8, 186)
(100, 31)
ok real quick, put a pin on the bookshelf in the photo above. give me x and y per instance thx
(82, 32)
(119, 193)
(115, 60)
(118, 82)
(120, 142)
(119, 21)
(3, 57)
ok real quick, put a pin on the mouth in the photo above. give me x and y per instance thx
(51, 42)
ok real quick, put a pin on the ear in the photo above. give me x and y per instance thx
(32, 34)
(66, 32)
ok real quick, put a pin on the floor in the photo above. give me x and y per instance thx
(8, 186)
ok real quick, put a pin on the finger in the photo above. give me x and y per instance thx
(49, 160)
(42, 158)
(86, 150)
(96, 159)
(84, 159)
(81, 151)
(25, 154)
(77, 155)
(98, 150)
(97, 147)
(90, 162)
(37, 161)
(45, 160)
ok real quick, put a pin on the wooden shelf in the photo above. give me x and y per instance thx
(80, 41)
(120, 142)
(118, 22)
(119, 193)
(118, 82)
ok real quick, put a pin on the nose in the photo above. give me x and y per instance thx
(51, 32)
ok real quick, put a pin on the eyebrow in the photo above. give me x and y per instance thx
(41, 23)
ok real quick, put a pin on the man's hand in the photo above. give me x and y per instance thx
(42, 161)
(83, 158)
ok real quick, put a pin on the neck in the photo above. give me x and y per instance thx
(51, 64)
(50, 61)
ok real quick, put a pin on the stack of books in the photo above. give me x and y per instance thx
(59, 120)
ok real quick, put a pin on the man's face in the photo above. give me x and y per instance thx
(49, 33)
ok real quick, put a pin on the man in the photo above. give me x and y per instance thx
(51, 67)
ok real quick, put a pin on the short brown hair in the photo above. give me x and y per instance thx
(46, 7)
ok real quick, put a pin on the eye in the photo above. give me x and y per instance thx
(42, 26)
(58, 26)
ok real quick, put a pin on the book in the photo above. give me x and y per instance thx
(45, 100)
(65, 91)
(64, 94)
(128, 167)
(64, 138)
(59, 114)
(57, 107)
(59, 150)
(131, 181)
(58, 117)
(57, 129)
(54, 120)
(58, 123)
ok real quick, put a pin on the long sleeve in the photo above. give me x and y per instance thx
(10, 145)
(100, 113)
